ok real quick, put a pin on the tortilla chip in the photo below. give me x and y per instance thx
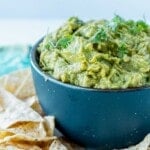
(13, 110)
(32, 129)
(8, 147)
(49, 125)
(57, 145)
(41, 129)
(18, 146)
(19, 83)
(63, 144)
(23, 139)
(4, 133)
(34, 104)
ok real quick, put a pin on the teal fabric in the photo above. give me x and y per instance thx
(13, 58)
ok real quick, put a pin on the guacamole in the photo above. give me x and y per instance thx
(105, 54)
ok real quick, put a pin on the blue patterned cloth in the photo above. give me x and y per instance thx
(13, 58)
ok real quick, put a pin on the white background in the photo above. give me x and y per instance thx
(58, 9)
(25, 21)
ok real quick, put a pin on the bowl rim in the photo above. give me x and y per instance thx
(34, 64)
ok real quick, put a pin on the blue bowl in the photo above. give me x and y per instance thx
(103, 119)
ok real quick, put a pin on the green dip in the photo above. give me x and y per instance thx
(101, 54)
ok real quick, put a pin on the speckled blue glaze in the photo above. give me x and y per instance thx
(104, 119)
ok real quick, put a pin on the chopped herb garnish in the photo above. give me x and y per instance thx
(137, 27)
(141, 26)
(117, 19)
(122, 50)
(50, 45)
(64, 42)
(100, 36)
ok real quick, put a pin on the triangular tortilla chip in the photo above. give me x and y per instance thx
(13, 110)
(23, 139)
(30, 128)
(19, 83)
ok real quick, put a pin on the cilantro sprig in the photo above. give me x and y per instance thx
(64, 42)
(99, 36)
(138, 27)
